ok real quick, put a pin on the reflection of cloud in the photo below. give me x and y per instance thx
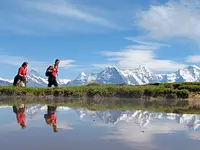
(194, 135)
(64, 125)
(131, 132)
(101, 124)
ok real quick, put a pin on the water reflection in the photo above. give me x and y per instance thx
(50, 117)
(106, 129)
(20, 111)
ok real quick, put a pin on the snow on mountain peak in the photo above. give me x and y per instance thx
(63, 81)
(196, 67)
(82, 76)
(142, 69)
(110, 75)
(7, 80)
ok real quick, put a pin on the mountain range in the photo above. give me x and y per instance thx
(137, 76)
(112, 75)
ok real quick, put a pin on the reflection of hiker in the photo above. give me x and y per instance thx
(50, 117)
(21, 75)
(20, 112)
(52, 72)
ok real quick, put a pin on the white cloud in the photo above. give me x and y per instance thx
(141, 41)
(194, 59)
(172, 19)
(66, 9)
(131, 58)
(66, 63)
(58, 17)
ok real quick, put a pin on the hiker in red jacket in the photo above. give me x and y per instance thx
(21, 75)
(52, 73)
(50, 117)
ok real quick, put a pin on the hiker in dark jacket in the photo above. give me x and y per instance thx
(52, 73)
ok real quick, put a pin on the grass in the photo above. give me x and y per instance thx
(171, 91)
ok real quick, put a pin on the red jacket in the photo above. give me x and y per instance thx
(20, 118)
(53, 117)
(22, 71)
(55, 71)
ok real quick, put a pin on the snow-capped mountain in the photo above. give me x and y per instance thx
(83, 79)
(35, 80)
(110, 75)
(63, 81)
(5, 82)
(138, 76)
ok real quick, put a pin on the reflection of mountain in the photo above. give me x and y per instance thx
(33, 110)
(142, 118)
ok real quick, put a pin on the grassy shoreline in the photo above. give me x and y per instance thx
(169, 91)
(164, 92)
(92, 105)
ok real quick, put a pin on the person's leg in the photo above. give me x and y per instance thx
(16, 79)
(55, 83)
(23, 79)
(50, 81)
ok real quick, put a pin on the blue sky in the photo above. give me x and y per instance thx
(90, 35)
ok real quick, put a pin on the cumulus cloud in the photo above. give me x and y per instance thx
(132, 57)
(172, 19)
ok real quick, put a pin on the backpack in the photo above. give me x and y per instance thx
(48, 73)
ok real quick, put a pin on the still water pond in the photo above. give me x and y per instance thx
(41, 127)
